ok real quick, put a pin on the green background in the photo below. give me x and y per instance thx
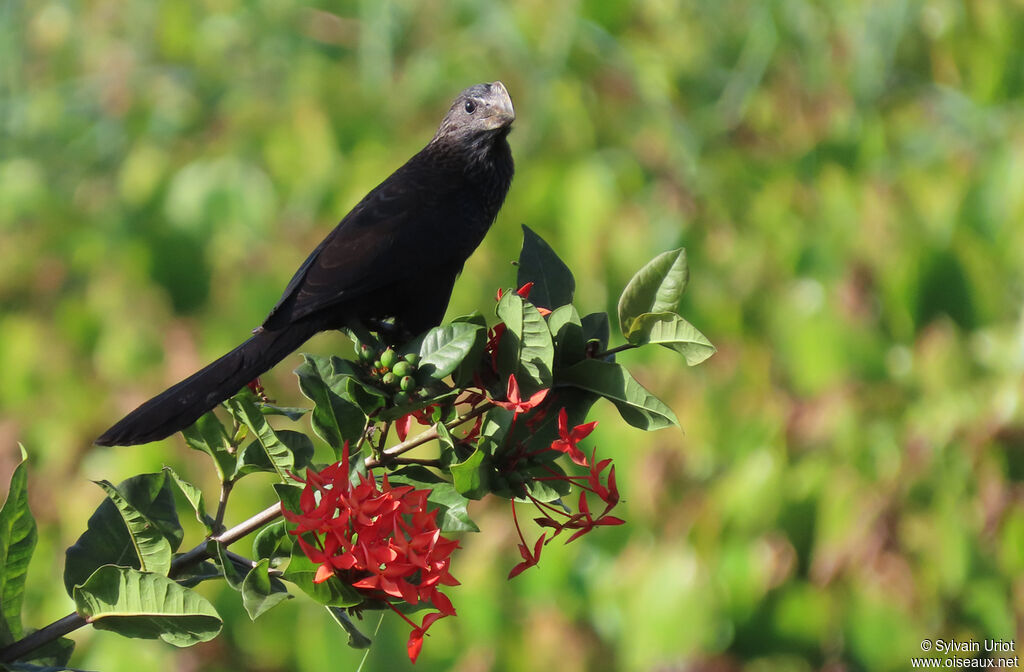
(848, 179)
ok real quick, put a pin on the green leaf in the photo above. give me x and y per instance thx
(542, 487)
(261, 592)
(233, 572)
(567, 336)
(106, 540)
(656, 288)
(672, 332)
(356, 639)
(368, 399)
(553, 284)
(453, 515)
(289, 494)
(153, 550)
(335, 417)
(526, 349)
(291, 412)
(278, 456)
(470, 476)
(147, 606)
(273, 543)
(442, 349)
(194, 496)
(596, 328)
(254, 458)
(18, 537)
(495, 427)
(209, 436)
(195, 573)
(636, 405)
(462, 376)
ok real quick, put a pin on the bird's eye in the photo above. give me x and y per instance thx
(470, 107)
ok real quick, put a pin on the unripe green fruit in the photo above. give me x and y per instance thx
(408, 383)
(402, 368)
(413, 359)
(388, 358)
(377, 364)
(389, 378)
(401, 398)
(365, 353)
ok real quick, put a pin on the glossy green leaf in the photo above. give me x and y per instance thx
(656, 288)
(152, 549)
(148, 606)
(462, 376)
(278, 455)
(335, 418)
(253, 457)
(567, 336)
(596, 328)
(453, 516)
(106, 540)
(635, 404)
(526, 349)
(209, 436)
(18, 537)
(553, 283)
(194, 496)
(232, 571)
(273, 543)
(442, 349)
(470, 476)
(290, 412)
(672, 332)
(261, 592)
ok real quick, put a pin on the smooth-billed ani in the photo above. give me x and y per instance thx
(395, 255)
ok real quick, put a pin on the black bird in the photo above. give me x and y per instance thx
(395, 255)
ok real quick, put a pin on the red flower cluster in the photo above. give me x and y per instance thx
(378, 538)
(557, 518)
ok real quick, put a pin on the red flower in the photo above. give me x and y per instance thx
(515, 402)
(557, 518)
(566, 443)
(378, 538)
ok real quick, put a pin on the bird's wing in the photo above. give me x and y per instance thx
(384, 239)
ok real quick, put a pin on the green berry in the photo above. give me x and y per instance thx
(401, 398)
(402, 369)
(377, 364)
(388, 358)
(408, 383)
(413, 359)
(389, 378)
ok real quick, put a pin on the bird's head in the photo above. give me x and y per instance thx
(480, 112)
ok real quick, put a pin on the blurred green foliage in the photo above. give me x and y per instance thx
(846, 177)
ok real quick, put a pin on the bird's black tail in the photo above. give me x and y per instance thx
(179, 406)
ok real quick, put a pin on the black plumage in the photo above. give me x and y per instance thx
(394, 256)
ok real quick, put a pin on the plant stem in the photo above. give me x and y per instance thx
(606, 353)
(424, 437)
(222, 505)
